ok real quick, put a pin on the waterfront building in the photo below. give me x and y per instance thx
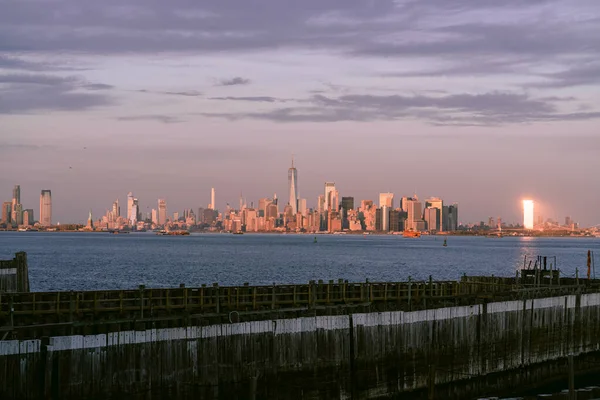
(19, 214)
(154, 216)
(293, 188)
(28, 219)
(16, 200)
(116, 210)
(528, 214)
(130, 200)
(386, 199)
(414, 219)
(436, 202)
(7, 212)
(396, 221)
(452, 217)
(162, 211)
(432, 219)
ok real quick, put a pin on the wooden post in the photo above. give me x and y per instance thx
(577, 276)
(273, 297)
(409, 293)
(217, 299)
(253, 385)
(572, 395)
(141, 289)
(430, 286)
(431, 385)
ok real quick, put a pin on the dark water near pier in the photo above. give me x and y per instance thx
(77, 261)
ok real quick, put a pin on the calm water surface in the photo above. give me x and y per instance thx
(74, 261)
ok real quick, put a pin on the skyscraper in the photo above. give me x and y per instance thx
(46, 208)
(386, 199)
(116, 209)
(452, 217)
(437, 203)
(293, 186)
(130, 200)
(528, 214)
(329, 187)
(302, 206)
(7, 212)
(154, 216)
(16, 200)
(414, 220)
(28, 217)
(162, 211)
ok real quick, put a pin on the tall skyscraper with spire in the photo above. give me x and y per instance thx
(212, 199)
(293, 186)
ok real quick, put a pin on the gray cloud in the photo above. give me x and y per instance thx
(265, 99)
(495, 108)
(25, 93)
(184, 93)
(233, 81)
(581, 75)
(98, 86)
(165, 119)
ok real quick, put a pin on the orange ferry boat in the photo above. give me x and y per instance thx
(411, 234)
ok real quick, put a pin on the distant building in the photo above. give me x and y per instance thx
(28, 219)
(154, 216)
(414, 220)
(397, 219)
(16, 201)
(452, 217)
(329, 188)
(438, 203)
(7, 212)
(432, 218)
(321, 203)
(386, 199)
(302, 209)
(528, 214)
(175, 216)
(130, 200)
(293, 188)
(19, 213)
(162, 211)
(116, 210)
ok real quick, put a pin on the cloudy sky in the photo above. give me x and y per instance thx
(481, 102)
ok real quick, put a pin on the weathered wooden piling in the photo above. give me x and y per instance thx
(14, 274)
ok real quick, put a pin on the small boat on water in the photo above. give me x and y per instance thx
(238, 233)
(411, 234)
(173, 233)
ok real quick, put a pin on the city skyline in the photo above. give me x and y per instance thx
(421, 214)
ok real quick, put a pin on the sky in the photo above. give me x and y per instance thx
(480, 102)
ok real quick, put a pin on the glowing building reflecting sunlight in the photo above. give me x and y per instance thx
(528, 214)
